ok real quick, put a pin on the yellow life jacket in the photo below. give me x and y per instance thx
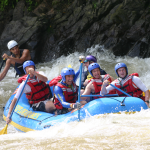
(89, 76)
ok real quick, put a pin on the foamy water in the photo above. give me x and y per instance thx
(113, 131)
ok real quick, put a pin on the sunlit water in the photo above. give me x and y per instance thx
(113, 131)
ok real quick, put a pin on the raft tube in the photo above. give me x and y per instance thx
(25, 119)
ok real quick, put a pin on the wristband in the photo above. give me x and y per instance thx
(147, 101)
(72, 105)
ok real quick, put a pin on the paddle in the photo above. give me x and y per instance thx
(81, 60)
(4, 131)
(107, 95)
(120, 90)
(2, 64)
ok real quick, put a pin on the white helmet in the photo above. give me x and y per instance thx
(11, 44)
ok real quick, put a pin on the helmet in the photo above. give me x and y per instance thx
(11, 44)
(90, 58)
(120, 65)
(93, 66)
(28, 63)
(66, 71)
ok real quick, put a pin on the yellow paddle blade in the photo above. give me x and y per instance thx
(69, 66)
(4, 131)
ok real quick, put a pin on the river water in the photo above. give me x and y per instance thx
(113, 131)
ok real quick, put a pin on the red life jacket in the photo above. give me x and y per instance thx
(55, 80)
(98, 83)
(70, 95)
(23, 78)
(39, 90)
(129, 87)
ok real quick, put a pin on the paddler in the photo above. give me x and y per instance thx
(130, 84)
(66, 92)
(36, 90)
(17, 58)
(94, 85)
(86, 75)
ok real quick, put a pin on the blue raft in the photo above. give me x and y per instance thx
(25, 119)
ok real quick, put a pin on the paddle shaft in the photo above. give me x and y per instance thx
(120, 90)
(2, 64)
(108, 95)
(79, 88)
(19, 96)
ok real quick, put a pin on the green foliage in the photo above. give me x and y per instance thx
(5, 4)
(55, 2)
(32, 4)
(94, 4)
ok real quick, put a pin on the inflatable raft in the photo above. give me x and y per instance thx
(25, 119)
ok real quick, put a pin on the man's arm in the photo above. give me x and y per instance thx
(27, 89)
(104, 89)
(112, 79)
(38, 75)
(78, 73)
(88, 90)
(25, 56)
(142, 87)
(137, 81)
(60, 96)
(10, 110)
(86, 82)
(147, 95)
(4, 72)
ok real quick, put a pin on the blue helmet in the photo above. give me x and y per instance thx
(93, 66)
(66, 71)
(28, 63)
(120, 65)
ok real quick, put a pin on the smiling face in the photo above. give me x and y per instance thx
(15, 50)
(96, 73)
(122, 72)
(69, 79)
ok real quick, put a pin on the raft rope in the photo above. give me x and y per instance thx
(120, 101)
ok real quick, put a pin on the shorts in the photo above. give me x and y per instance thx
(62, 111)
(40, 106)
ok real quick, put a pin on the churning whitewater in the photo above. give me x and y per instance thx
(112, 131)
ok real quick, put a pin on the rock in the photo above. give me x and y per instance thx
(19, 10)
(140, 48)
(60, 27)
(43, 8)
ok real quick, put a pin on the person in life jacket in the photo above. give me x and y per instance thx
(36, 90)
(130, 84)
(94, 86)
(18, 57)
(66, 92)
(86, 76)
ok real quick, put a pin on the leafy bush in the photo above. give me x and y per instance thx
(6, 4)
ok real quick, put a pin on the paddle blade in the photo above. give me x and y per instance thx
(4, 131)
